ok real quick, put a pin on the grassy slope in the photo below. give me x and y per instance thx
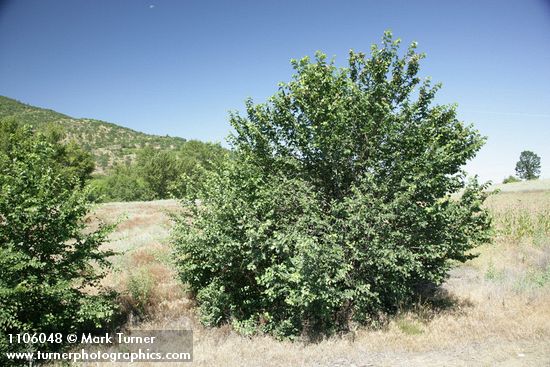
(494, 308)
(109, 143)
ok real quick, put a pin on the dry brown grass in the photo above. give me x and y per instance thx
(497, 305)
(142, 274)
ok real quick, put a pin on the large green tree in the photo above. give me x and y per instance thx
(47, 259)
(528, 166)
(344, 194)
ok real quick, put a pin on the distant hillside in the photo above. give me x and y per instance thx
(109, 143)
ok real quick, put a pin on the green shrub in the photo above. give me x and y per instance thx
(511, 179)
(409, 327)
(158, 169)
(123, 183)
(533, 279)
(338, 202)
(140, 287)
(46, 259)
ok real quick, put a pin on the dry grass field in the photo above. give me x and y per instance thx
(522, 186)
(493, 310)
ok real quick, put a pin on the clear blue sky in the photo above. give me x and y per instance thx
(178, 67)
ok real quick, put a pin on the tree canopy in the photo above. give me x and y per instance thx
(345, 192)
(528, 166)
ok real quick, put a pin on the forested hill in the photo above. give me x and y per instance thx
(109, 143)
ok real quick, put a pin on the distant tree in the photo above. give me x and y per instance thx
(528, 166)
(510, 179)
(159, 169)
(47, 258)
(122, 183)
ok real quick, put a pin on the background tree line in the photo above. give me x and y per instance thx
(158, 174)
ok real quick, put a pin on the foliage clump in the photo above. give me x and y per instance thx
(345, 192)
(47, 260)
(510, 179)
